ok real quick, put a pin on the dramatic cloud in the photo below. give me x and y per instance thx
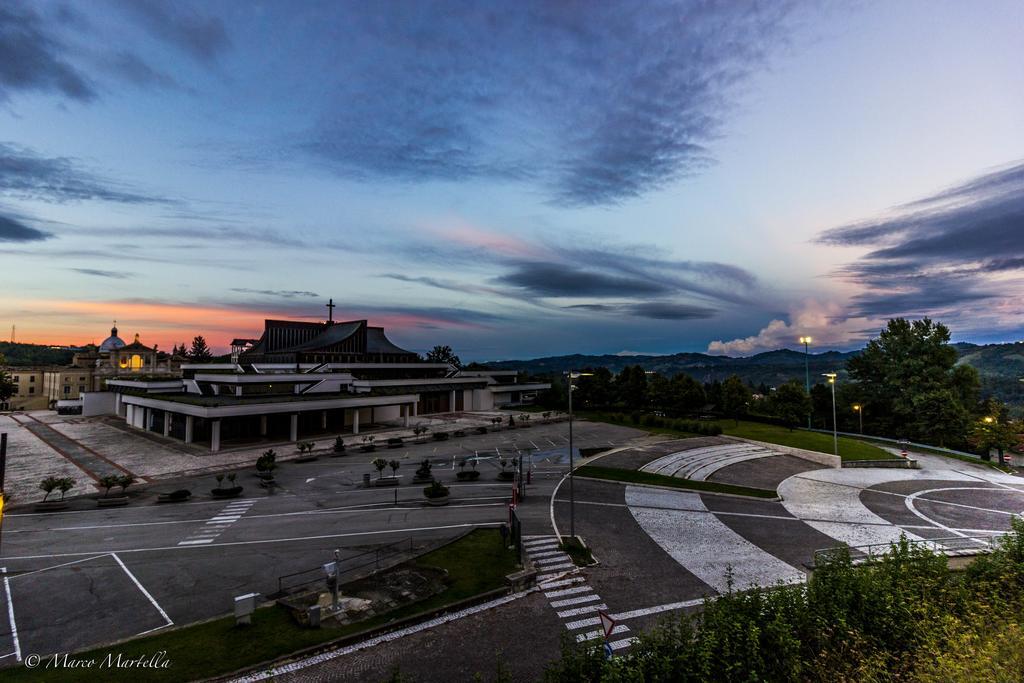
(597, 102)
(825, 322)
(562, 280)
(31, 57)
(943, 255)
(200, 36)
(24, 173)
(13, 230)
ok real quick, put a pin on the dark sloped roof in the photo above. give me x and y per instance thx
(332, 334)
(377, 342)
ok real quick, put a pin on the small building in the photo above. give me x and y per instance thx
(303, 380)
(114, 358)
(30, 393)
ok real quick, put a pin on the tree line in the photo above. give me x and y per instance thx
(906, 384)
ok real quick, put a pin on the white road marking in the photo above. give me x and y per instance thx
(568, 591)
(599, 633)
(575, 612)
(198, 541)
(619, 644)
(546, 553)
(633, 614)
(708, 545)
(583, 623)
(575, 601)
(567, 565)
(551, 560)
(545, 585)
(143, 589)
(268, 540)
(10, 616)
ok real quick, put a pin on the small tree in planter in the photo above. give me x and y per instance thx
(306, 451)
(48, 486)
(229, 492)
(511, 422)
(440, 436)
(108, 482)
(339, 445)
(395, 442)
(65, 484)
(467, 475)
(436, 494)
(124, 481)
(380, 464)
(546, 415)
(394, 465)
(419, 430)
(505, 474)
(368, 445)
(496, 421)
(481, 429)
(525, 419)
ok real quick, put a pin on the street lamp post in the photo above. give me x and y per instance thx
(835, 428)
(572, 493)
(806, 341)
(859, 409)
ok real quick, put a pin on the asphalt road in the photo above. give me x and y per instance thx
(89, 576)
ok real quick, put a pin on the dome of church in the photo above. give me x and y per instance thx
(112, 342)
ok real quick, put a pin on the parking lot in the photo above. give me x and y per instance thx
(88, 576)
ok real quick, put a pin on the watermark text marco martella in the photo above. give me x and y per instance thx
(65, 660)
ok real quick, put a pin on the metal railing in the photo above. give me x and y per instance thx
(348, 566)
(949, 545)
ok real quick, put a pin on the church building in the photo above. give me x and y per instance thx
(301, 380)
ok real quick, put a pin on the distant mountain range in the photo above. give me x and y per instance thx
(1000, 365)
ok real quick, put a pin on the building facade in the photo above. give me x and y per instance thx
(303, 380)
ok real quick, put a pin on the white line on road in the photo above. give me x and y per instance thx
(633, 614)
(591, 635)
(575, 612)
(568, 591)
(552, 567)
(10, 616)
(143, 589)
(268, 540)
(198, 541)
(575, 601)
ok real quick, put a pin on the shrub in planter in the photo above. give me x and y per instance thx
(423, 473)
(481, 430)
(339, 445)
(379, 464)
(459, 432)
(436, 494)
(226, 492)
(395, 442)
(440, 436)
(266, 464)
(394, 465)
(419, 431)
(368, 445)
(178, 496)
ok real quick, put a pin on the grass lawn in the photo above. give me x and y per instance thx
(476, 563)
(638, 477)
(849, 449)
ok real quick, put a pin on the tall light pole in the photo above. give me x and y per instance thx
(806, 341)
(859, 409)
(835, 429)
(572, 493)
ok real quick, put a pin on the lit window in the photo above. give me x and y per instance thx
(136, 362)
(123, 362)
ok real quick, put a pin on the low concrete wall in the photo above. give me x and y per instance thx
(895, 464)
(813, 456)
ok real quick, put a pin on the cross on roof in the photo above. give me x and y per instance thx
(330, 311)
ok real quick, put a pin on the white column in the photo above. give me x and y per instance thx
(263, 425)
(323, 419)
(145, 418)
(415, 408)
(190, 425)
(293, 434)
(167, 423)
(238, 390)
(405, 414)
(129, 415)
(355, 420)
(215, 436)
(117, 403)
(451, 402)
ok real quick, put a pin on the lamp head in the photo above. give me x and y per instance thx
(989, 419)
(805, 340)
(831, 377)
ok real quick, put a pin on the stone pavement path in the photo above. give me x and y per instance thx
(91, 462)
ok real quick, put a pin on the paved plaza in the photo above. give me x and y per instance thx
(660, 552)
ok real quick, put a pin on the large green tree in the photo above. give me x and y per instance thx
(735, 397)
(911, 385)
(688, 394)
(790, 403)
(631, 387)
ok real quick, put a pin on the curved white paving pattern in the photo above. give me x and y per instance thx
(829, 500)
(701, 463)
(702, 543)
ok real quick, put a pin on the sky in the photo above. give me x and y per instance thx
(513, 179)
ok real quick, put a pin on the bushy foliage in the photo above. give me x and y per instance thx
(906, 617)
